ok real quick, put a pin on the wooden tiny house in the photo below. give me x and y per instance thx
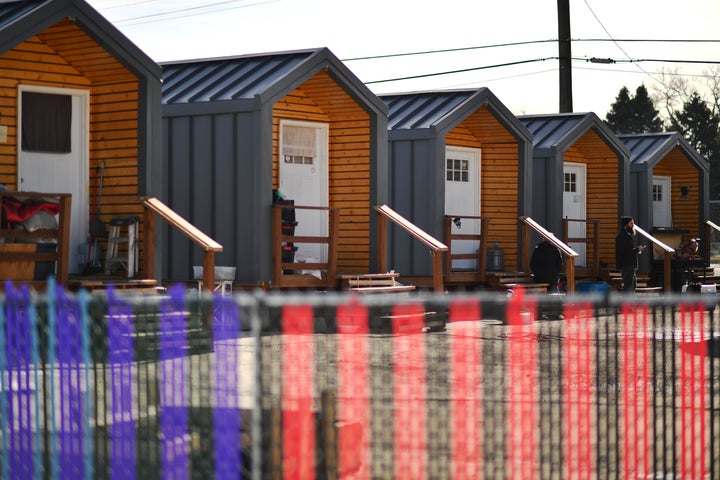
(670, 186)
(238, 129)
(62, 57)
(580, 184)
(437, 140)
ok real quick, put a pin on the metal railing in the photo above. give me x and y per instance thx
(337, 385)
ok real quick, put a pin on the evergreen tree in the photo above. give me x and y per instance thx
(701, 128)
(636, 114)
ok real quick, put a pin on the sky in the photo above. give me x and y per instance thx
(509, 46)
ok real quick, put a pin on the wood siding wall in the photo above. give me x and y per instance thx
(685, 211)
(63, 56)
(321, 99)
(602, 188)
(499, 177)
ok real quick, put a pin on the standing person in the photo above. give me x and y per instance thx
(626, 253)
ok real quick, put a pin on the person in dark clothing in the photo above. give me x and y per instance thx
(626, 253)
(546, 264)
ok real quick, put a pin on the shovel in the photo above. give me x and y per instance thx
(97, 229)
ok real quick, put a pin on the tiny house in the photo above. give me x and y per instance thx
(580, 184)
(79, 104)
(242, 132)
(459, 162)
(669, 187)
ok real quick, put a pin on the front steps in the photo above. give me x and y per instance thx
(504, 281)
(374, 283)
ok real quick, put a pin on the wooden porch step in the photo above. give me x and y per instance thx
(528, 287)
(498, 280)
(121, 285)
(373, 283)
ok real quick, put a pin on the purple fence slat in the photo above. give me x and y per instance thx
(226, 330)
(120, 358)
(70, 385)
(21, 395)
(173, 414)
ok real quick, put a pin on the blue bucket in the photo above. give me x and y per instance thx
(591, 287)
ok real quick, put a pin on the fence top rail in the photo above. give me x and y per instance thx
(402, 222)
(187, 228)
(654, 240)
(549, 236)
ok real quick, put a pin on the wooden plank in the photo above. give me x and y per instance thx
(406, 225)
(188, 229)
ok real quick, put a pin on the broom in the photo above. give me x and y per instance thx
(97, 229)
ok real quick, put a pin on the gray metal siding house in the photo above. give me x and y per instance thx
(579, 141)
(667, 153)
(670, 186)
(220, 120)
(422, 125)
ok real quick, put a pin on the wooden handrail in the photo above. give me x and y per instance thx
(61, 234)
(709, 227)
(565, 250)
(208, 245)
(481, 238)
(436, 246)
(668, 252)
(279, 239)
(593, 260)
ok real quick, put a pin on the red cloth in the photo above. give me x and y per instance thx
(16, 211)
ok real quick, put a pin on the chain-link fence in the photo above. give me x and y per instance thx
(377, 386)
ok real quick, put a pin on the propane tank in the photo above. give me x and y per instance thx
(495, 258)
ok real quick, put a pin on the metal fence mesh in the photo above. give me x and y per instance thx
(336, 386)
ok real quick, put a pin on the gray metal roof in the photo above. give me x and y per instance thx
(550, 130)
(647, 149)
(422, 109)
(556, 132)
(262, 77)
(12, 11)
(443, 109)
(229, 78)
(24, 19)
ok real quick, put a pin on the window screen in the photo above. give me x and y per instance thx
(46, 122)
(299, 144)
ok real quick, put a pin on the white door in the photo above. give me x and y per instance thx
(662, 210)
(574, 206)
(60, 167)
(462, 198)
(304, 179)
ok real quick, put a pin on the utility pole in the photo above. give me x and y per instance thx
(564, 55)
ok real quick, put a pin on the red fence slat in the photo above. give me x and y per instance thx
(354, 394)
(409, 391)
(466, 402)
(298, 418)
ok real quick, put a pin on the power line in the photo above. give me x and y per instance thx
(520, 62)
(447, 50)
(450, 72)
(151, 18)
